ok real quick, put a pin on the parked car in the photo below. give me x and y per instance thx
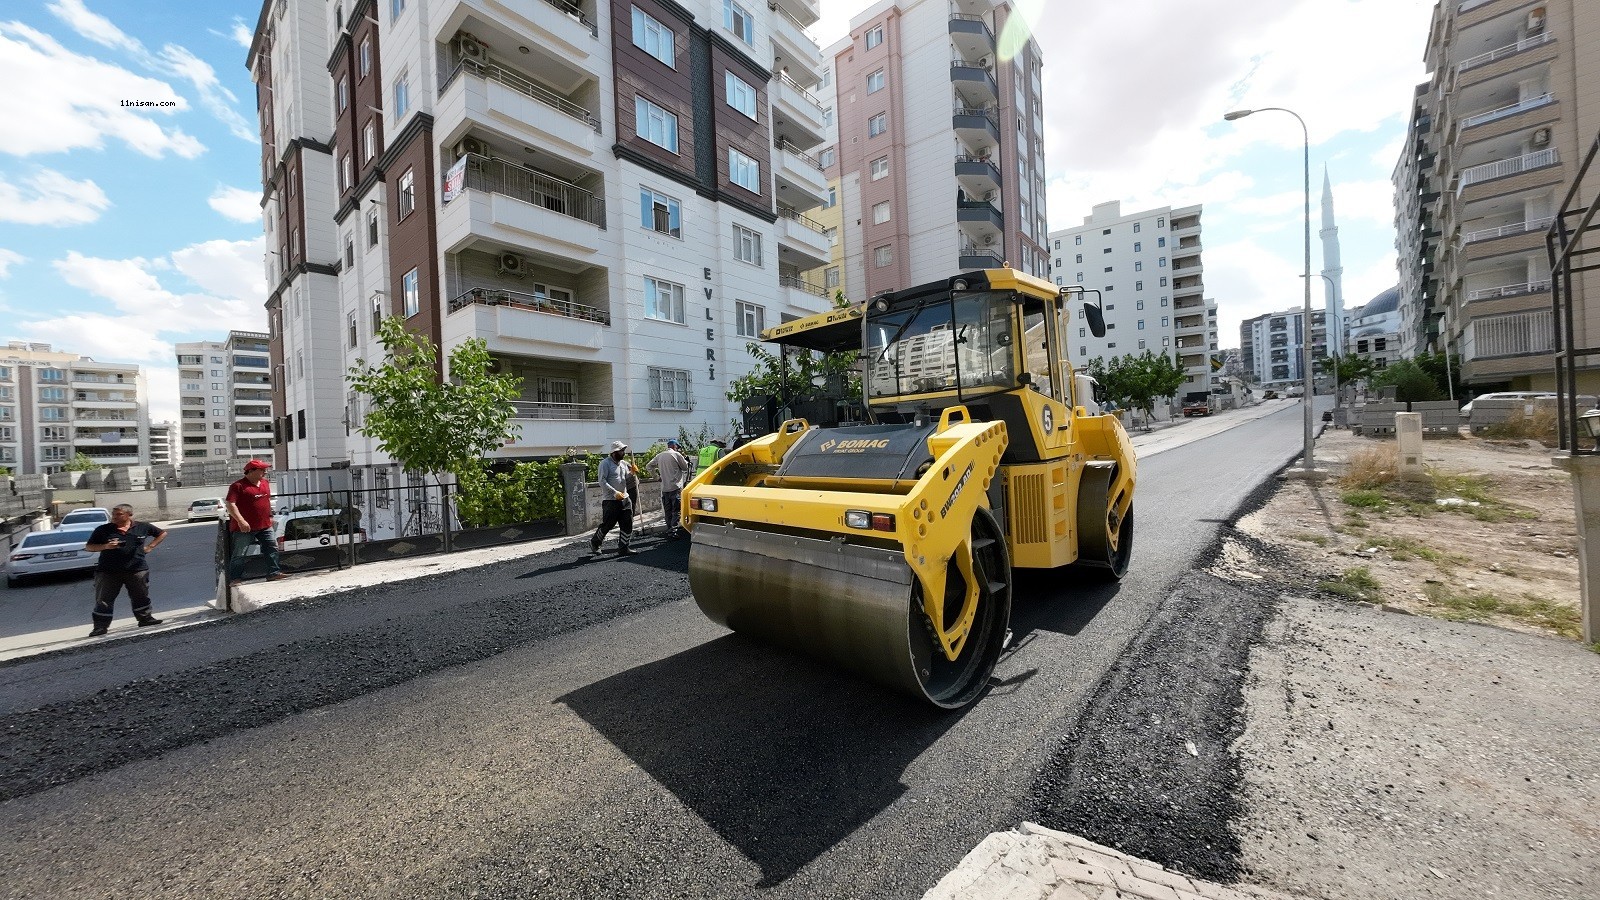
(1197, 403)
(89, 515)
(306, 529)
(209, 508)
(1505, 395)
(1294, 392)
(56, 550)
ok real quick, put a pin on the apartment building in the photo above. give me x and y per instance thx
(161, 435)
(615, 197)
(1273, 346)
(1511, 104)
(225, 398)
(55, 405)
(940, 144)
(1374, 330)
(1147, 267)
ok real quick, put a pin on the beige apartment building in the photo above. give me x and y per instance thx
(56, 404)
(224, 399)
(940, 149)
(1495, 138)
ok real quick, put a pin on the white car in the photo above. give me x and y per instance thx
(310, 528)
(210, 508)
(1505, 395)
(57, 550)
(89, 515)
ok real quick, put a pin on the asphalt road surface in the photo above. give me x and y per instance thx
(560, 727)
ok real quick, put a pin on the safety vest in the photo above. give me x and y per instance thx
(708, 455)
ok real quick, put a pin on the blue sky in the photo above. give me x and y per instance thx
(126, 229)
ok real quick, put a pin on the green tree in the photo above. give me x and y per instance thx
(1410, 381)
(433, 426)
(1445, 372)
(80, 462)
(1345, 369)
(1135, 382)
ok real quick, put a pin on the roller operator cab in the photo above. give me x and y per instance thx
(888, 548)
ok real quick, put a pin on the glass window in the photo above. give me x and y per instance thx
(741, 96)
(350, 330)
(366, 57)
(655, 124)
(372, 228)
(737, 19)
(410, 288)
(1138, 246)
(826, 158)
(345, 180)
(344, 93)
(1136, 231)
(408, 193)
(653, 37)
(830, 277)
(1077, 239)
(878, 124)
(880, 212)
(833, 198)
(874, 37)
(751, 319)
(916, 350)
(1161, 242)
(659, 212)
(663, 300)
(880, 167)
(1161, 221)
(396, 7)
(747, 245)
(369, 143)
(1162, 262)
(1138, 265)
(402, 95)
(669, 389)
(882, 256)
(875, 82)
(744, 171)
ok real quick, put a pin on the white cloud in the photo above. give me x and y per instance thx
(1371, 201)
(96, 28)
(48, 197)
(9, 258)
(241, 33)
(73, 101)
(236, 204)
(161, 385)
(109, 338)
(230, 269)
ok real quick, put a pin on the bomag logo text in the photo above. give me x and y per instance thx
(858, 445)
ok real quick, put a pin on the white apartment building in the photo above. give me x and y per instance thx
(1272, 346)
(224, 398)
(1146, 266)
(161, 435)
(55, 405)
(613, 196)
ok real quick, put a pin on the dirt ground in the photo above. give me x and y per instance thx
(1489, 536)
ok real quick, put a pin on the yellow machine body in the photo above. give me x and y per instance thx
(888, 548)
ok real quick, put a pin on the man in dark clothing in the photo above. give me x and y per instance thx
(616, 509)
(122, 544)
(249, 504)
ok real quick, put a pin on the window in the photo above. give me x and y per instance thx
(874, 37)
(1080, 258)
(344, 93)
(741, 96)
(350, 330)
(660, 213)
(1138, 246)
(1083, 332)
(409, 289)
(747, 245)
(655, 124)
(1141, 343)
(833, 198)
(300, 424)
(1077, 239)
(349, 252)
(396, 7)
(1163, 281)
(1109, 268)
(880, 168)
(663, 300)
(372, 228)
(1106, 250)
(292, 179)
(1136, 231)
(1163, 301)
(1138, 304)
(1106, 231)
(365, 67)
(1161, 221)
(1164, 321)
(832, 234)
(744, 171)
(59, 413)
(880, 213)
(1161, 242)
(669, 389)
(377, 312)
(1162, 262)
(1139, 286)
(882, 256)
(751, 319)
(408, 193)
(830, 277)
(1141, 324)
(294, 243)
(56, 394)
(369, 143)
(653, 37)
(402, 95)
(1138, 265)
(875, 82)
(826, 158)
(345, 180)
(878, 124)
(737, 19)
(557, 390)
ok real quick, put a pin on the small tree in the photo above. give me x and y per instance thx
(80, 462)
(429, 426)
(1345, 369)
(1445, 372)
(1410, 382)
(1136, 381)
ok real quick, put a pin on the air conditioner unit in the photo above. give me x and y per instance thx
(991, 197)
(987, 62)
(511, 264)
(1541, 137)
(988, 241)
(467, 47)
(471, 145)
(1536, 18)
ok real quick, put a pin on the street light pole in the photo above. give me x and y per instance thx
(1310, 384)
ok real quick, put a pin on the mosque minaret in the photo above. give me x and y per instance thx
(1333, 285)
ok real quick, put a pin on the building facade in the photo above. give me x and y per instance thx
(616, 198)
(940, 148)
(55, 405)
(1147, 267)
(225, 398)
(1374, 332)
(161, 435)
(1512, 103)
(1273, 346)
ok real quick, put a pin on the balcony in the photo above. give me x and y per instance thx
(550, 428)
(971, 35)
(975, 84)
(1506, 167)
(573, 37)
(796, 283)
(1517, 334)
(793, 48)
(979, 176)
(511, 321)
(806, 12)
(801, 182)
(802, 242)
(96, 379)
(978, 127)
(510, 102)
(796, 113)
(1489, 234)
(975, 258)
(1512, 109)
(517, 206)
(980, 216)
(1526, 43)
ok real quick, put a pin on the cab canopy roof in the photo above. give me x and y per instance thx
(840, 329)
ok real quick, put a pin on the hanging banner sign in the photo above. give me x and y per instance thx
(455, 180)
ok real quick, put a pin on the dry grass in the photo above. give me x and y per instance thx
(1541, 426)
(1372, 467)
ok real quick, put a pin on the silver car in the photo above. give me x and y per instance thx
(59, 550)
(89, 516)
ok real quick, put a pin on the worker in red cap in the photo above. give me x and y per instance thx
(249, 503)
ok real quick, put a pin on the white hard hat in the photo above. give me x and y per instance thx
(618, 445)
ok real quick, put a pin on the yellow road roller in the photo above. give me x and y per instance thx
(888, 547)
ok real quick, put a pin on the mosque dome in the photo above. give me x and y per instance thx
(1386, 302)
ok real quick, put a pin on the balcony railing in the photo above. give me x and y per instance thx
(800, 284)
(1489, 234)
(1520, 106)
(584, 412)
(1509, 290)
(980, 112)
(805, 94)
(1517, 334)
(1501, 168)
(1503, 52)
(576, 14)
(783, 144)
(979, 258)
(534, 302)
(1471, 4)
(565, 198)
(522, 86)
(778, 8)
(787, 213)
